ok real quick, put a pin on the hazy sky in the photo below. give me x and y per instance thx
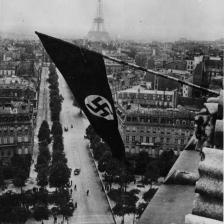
(141, 19)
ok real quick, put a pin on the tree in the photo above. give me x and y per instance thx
(105, 158)
(147, 196)
(59, 174)
(55, 102)
(19, 214)
(42, 197)
(58, 156)
(52, 68)
(152, 172)
(41, 162)
(55, 115)
(67, 209)
(112, 170)
(126, 203)
(40, 212)
(44, 151)
(90, 132)
(94, 140)
(44, 132)
(140, 209)
(2, 183)
(61, 197)
(141, 162)
(21, 162)
(42, 165)
(42, 177)
(8, 172)
(56, 129)
(124, 177)
(99, 148)
(20, 178)
(58, 144)
(54, 92)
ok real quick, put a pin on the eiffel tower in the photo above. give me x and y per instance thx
(98, 33)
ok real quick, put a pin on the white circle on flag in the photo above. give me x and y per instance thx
(99, 106)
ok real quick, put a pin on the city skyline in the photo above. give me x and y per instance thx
(127, 19)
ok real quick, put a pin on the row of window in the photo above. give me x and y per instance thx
(19, 118)
(190, 67)
(159, 120)
(9, 153)
(7, 72)
(9, 129)
(144, 96)
(13, 132)
(6, 153)
(12, 139)
(153, 103)
(215, 73)
(158, 130)
(151, 152)
(146, 139)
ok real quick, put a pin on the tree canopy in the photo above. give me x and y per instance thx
(44, 132)
(59, 174)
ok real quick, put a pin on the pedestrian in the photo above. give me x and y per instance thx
(70, 191)
(75, 204)
(87, 192)
(102, 188)
(75, 187)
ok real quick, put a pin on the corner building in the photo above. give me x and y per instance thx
(154, 130)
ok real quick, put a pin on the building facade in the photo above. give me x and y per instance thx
(7, 68)
(148, 98)
(18, 89)
(190, 64)
(154, 130)
(16, 130)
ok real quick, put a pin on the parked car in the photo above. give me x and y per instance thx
(77, 171)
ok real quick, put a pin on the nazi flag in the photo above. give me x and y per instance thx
(85, 74)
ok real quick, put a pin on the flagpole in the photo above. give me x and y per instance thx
(160, 74)
(137, 67)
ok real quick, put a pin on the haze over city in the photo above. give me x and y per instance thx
(125, 19)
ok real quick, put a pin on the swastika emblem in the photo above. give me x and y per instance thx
(99, 106)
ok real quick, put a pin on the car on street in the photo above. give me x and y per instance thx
(77, 171)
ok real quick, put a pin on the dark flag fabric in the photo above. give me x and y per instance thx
(85, 74)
